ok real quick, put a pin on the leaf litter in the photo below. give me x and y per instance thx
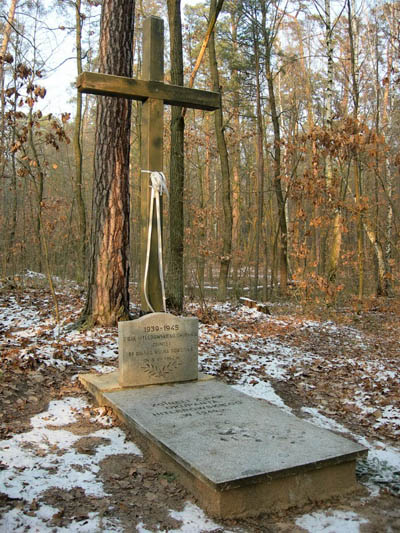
(67, 466)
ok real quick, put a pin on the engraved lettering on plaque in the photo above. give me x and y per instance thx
(157, 348)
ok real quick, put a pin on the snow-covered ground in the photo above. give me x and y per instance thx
(45, 457)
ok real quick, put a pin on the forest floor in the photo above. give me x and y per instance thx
(66, 465)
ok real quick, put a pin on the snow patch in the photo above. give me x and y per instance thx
(381, 467)
(323, 421)
(20, 523)
(264, 391)
(45, 458)
(332, 522)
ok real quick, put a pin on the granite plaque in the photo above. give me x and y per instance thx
(226, 437)
(238, 455)
(157, 348)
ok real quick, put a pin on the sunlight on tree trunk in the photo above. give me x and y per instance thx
(108, 277)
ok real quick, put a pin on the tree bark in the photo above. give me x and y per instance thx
(38, 182)
(356, 164)
(387, 117)
(236, 156)
(6, 36)
(259, 165)
(108, 277)
(225, 258)
(3, 52)
(277, 167)
(77, 145)
(382, 289)
(331, 263)
(175, 285)
(14, 195)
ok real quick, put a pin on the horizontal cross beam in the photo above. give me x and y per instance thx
(107, 85)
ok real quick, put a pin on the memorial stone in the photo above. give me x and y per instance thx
(157, 348)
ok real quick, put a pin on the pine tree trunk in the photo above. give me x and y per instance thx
(108, 278)
(175, 285)
(6, 36)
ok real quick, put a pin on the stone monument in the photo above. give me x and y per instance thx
(157, 348)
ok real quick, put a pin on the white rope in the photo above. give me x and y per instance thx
(158, 187)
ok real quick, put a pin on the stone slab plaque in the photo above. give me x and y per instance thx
(157, 348)
(227, 437)
(239, 456)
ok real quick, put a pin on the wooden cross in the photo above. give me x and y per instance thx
(154, 93)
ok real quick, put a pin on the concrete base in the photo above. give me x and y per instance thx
(237, 455)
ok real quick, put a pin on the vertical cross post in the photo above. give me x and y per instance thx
(154, 93)
(152, 158)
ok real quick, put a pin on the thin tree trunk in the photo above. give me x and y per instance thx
(259, 166)
(175, 284)
(386, 117)
(6, 36)
(200, 257)
(211, 24)
(3, 52)
(277, 175)
(211, 198)
(38, 186)
(356, 166)
(235, 154)
(77, 145)
(6, 39)
(13, 217)
(268, 37)
(312, 159)
(331, 254)
(226, 252)
(380, 258)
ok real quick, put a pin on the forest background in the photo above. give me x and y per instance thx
(310, 200)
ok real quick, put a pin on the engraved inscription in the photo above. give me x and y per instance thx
(159, 359)
(157, 348)
(197, 406)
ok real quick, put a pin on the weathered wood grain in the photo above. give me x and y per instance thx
(107, 85)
